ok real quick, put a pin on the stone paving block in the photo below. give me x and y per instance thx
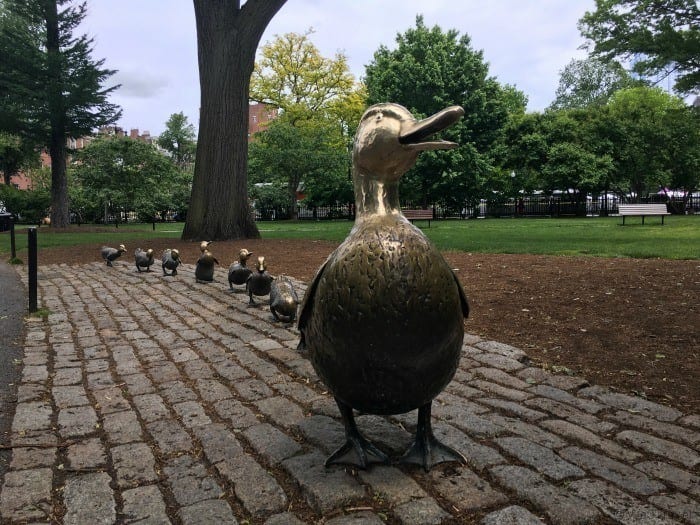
(589, 439)
(540, 458)
(67, 376)
(300, 393)
(503, 349)
(176, 392)
(31, 392)
(69, 396)
(501, 362)
(137, 384)
(454, 408)
(122, 427)
(238, 415)
(464, 490)
(391, 484)
(197, 369)
(151, 407)
(323, 489)
(478, 456)
(527, 430)
(512, 515)
(693, 420)
(678, 505)
(163, 372)
(323, 431)
(110, 400)
(357, 518)
(24, 458)
(89, 499)
(189, 481)
(515, 409)
(98, 380)
(26, 495)
(134, 463)
(35, 438)
(618, 473)
(560, 506)
(77, 421)
(501, 377)
(285, 518)
(252, 389)
(181, 353)
(208, 512)
(96, 365)
(659, 447)
(144, 504)
(558, 394)
(33, 415)
(35, 373)
(87, 454)
(569, 413)
(169, 436)
(458, 388)
(665, 430)
(230, 370)
(257, 489)
(424, 511)
(617, 504)
(674, 476)
(192, 414)
(212, 390)
(384, 433)
(218, 442)
(631, 403)
(281, 410)
(271, 443)
(494, 389)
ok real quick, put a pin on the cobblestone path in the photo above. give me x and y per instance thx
(151, 399)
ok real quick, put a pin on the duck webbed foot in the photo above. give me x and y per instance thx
(426, 450)
(357, 451)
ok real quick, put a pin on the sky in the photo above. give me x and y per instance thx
(153, 43)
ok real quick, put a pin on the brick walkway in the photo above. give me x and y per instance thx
(146, 399)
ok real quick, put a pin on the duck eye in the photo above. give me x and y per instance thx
(379, 116)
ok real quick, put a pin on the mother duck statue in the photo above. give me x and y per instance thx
(382, 321)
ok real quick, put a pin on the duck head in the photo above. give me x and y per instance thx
(261, 265)
(243, 256)
(204, 245)
(389, 139)
(122, 248)
(149, 253)
(174, 254)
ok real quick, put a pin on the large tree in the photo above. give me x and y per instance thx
(428, 70)
(179, 140)
(589, 82)
(55, 87)
(657, 37)
(228, 34)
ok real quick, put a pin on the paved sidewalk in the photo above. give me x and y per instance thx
(151, 399)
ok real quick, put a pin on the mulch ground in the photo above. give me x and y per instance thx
(630, 324)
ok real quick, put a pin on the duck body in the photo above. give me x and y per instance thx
(259, 282)
(204, 269)
(239, 272)
(283, 300)
(143, 259)
(170, 261)
(382, 321)
(386, 328)
(112, 254)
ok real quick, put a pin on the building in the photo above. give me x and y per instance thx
(258, 116)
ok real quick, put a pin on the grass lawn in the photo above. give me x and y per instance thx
(678, 238)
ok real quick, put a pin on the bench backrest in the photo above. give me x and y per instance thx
(418, 214)
(642, 209)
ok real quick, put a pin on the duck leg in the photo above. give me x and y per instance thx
(426, 450)
(357, 450)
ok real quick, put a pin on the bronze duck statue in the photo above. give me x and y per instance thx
(239, 272)
(283, 300)
(259, 282)
(382, 321)
(204, 269)
(112, 254)
(144, 259)
(170, 261)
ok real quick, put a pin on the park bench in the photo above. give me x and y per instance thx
(642, 210)
(418, 214)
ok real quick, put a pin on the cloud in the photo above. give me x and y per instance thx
(139, 84)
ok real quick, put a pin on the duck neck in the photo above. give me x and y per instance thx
(374, 196)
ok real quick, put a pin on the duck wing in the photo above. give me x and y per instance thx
(462, 297)
(308, 304)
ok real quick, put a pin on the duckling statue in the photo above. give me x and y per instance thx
(112, 254)
(144, 259)
(259, 282)
(238, 272)
(170, 261)
(283, 300)
(204, 269)
(382, 321)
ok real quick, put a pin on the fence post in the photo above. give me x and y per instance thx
(13, 249)
(32, 270)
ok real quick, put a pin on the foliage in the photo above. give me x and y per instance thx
(428, 71)
(123, 174)
(309, 154)
(589, 82)
(657, 37)
(53, 88)
(28, 205)
(179, 140)
(15, 153)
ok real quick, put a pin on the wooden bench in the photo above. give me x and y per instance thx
(418, 214)
(642, 210)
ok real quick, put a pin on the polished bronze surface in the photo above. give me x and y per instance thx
(143, 259)
(260, 281)
(382, 321)
(170, 261)
(283, 300)
(204, 269)
(239, 272)
(112, 254)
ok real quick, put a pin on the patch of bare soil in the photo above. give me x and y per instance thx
(630, 324)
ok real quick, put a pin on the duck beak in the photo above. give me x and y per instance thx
(414, 133)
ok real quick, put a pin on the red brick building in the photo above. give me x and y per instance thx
(258, 116)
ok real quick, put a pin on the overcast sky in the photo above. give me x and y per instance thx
(153, 43)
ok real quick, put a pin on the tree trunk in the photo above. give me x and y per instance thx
(227, 38)
(60, 217)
